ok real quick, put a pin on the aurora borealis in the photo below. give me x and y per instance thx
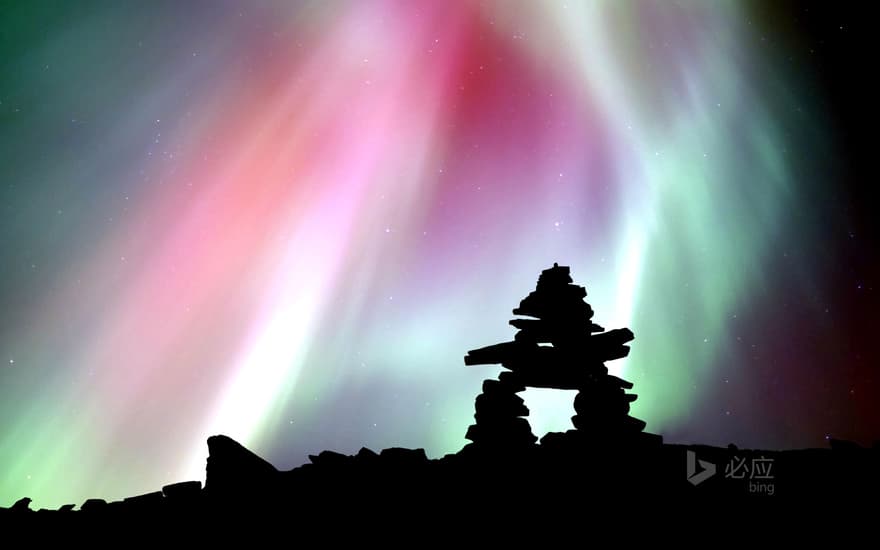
(288, 221)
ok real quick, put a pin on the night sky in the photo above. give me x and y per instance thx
(288, 221)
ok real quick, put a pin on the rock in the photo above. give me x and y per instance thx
(403, 456)
(634, 424)
(511, 432)
(491, 354)
(183, 490)
(366, 454)
(620, 382)
(512, 380)
(329, 458)
(508, 404)
(147, 502)
(232, 469)
(22, 505)
(94, 505)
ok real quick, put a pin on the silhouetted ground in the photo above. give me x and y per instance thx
(505, 473)
(565, 469)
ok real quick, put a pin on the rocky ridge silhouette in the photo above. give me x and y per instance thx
(607, 454)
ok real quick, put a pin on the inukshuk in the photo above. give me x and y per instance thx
(557, 346)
